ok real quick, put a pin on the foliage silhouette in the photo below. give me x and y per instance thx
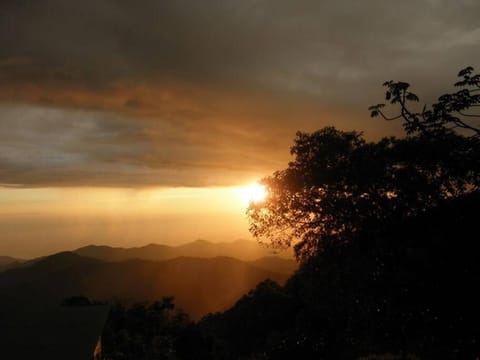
(384, 231)
(144, 331)
(406, 290)
(452, 111)
(255, 320)
(339, 184)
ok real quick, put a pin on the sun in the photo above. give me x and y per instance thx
(253, 193)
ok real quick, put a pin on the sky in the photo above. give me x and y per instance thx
(126, 123)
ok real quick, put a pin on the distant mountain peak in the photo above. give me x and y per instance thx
(241, 249)
(199, 241)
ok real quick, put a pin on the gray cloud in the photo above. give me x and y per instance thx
(191, 92)
(281, 45)
(41, 146)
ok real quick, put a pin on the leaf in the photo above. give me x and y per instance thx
(467, 71)
(412, 97)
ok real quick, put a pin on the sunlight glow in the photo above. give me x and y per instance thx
(37, 221)
(253, 193)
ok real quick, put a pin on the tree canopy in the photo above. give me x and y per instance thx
(339, 185)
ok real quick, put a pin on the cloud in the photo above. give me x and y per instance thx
(279, 45)
(44, 147)
(190, 92)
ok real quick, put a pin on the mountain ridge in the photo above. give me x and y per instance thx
(8, 262)
(240, 249)
(199, 285)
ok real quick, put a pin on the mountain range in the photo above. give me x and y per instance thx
(200, 284)
(240, 249)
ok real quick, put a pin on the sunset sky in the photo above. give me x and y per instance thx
(125, 123)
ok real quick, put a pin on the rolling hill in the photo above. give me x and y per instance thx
(199, 285)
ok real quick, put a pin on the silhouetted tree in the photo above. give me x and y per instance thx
(252, 325)
(145, 331)
(384, 231)
(453, 111)
(339, 185)
(407, 290)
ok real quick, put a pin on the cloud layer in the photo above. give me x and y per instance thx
(184, 92)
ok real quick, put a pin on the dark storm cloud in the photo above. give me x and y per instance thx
(302, 45)
(198, 92)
